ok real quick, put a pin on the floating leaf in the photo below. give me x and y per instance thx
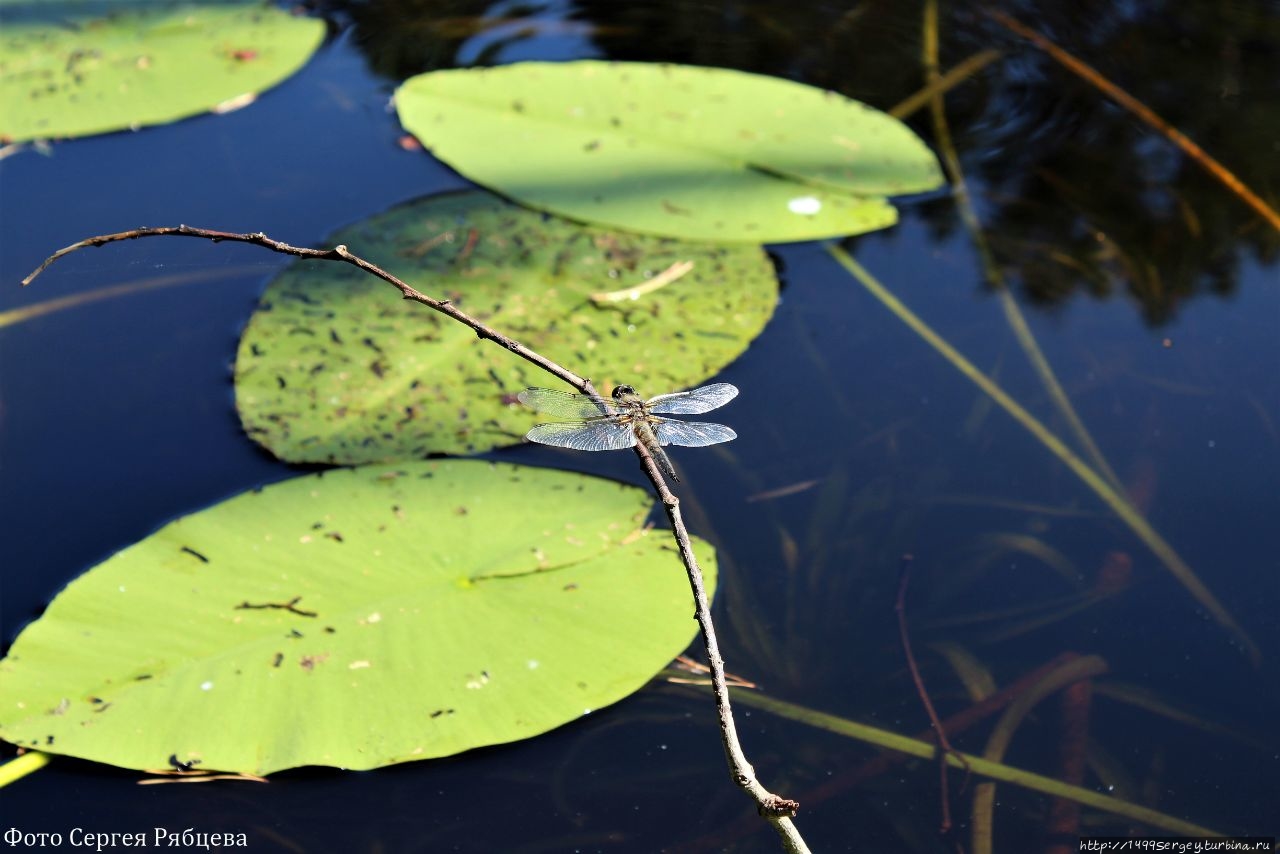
(699, 153)
(355, 619)
(335, 367)
(140, 66)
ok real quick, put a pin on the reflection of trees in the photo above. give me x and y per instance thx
(1099, 201)
(1074, 192)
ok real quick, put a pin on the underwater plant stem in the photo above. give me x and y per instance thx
(1090, 74)
(777, 810)
(24, 313)
(944, 83)
(944, 745)
(984, 794)
(20, 766)
(1109, 495)
(1064, 814)
(924, 749)
(964, 205)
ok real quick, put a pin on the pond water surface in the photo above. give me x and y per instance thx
(1153, 292)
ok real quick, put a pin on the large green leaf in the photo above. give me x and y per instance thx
(335, 367)
(700, 153)
(432, 608)
(140, 66)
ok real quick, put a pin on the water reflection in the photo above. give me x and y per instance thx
(1077, 196)
(1015, 563)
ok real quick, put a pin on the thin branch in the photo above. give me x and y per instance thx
(666, 277)
(776, 809)
(337, 253)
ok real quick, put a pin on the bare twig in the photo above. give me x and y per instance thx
(666, 277)
(776, 809)
(337, 253)
(290, 606)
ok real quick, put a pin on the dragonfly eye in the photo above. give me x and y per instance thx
(621, 390)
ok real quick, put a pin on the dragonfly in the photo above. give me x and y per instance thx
(610, 425)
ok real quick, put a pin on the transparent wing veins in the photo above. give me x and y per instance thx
(566, 404)
(602, 434)
(695, 401)
(690, 434)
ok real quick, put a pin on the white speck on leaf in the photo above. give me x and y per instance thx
(804, 205)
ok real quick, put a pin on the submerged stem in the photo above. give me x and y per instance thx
(1224, 175)
(1118, 503)
(964, 204)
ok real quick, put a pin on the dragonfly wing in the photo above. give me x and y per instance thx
(695, 401)
(601, 434)
(692, 435)
(565, 404)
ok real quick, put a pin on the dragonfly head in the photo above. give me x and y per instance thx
(623, 391)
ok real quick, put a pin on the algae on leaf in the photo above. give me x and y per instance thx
(335, 368)
(139, 65)
(699, 153)
(355, 618)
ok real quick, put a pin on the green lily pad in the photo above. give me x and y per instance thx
(141, 66)
(355, 619)
(699, 153)
(335, 367)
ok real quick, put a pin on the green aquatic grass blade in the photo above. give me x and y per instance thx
(1118, 503)
(982, 821)
(66, 77)
(355, 618)
(698, 153)
(20, 766)
(1013, 314)
(969, 764)
(334, 367)
(22, 314)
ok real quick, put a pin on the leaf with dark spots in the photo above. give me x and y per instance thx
(498, 616)
(336, 400)
(141, 66)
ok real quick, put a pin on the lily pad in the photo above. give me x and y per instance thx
(699, 153)
(355, 619)
(335, 367)
(139, 66)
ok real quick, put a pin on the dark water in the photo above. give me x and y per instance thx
(1153, 292)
